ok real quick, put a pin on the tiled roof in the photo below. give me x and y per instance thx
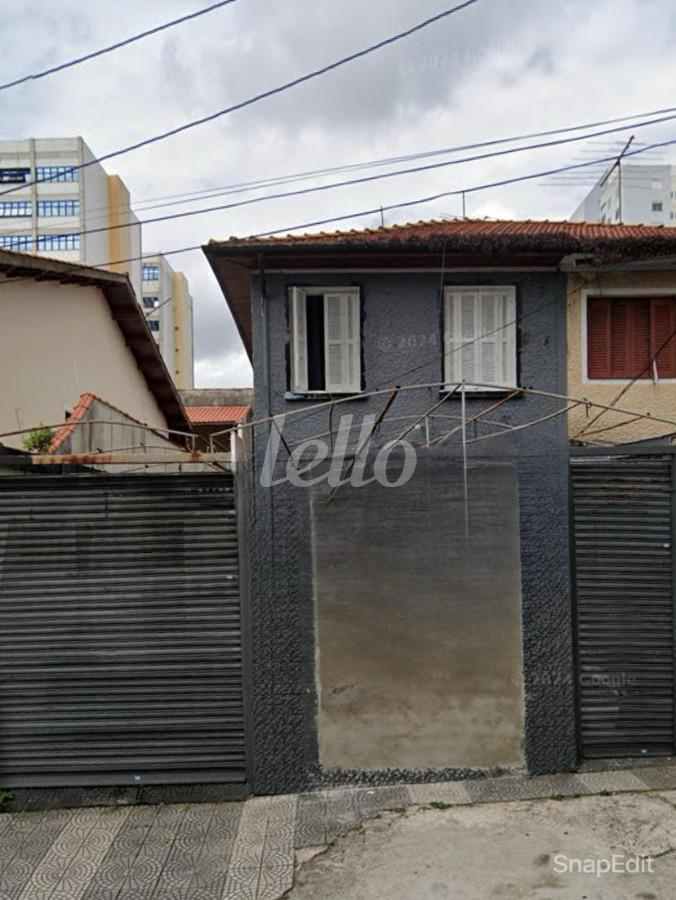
(467, 244)
(415, 232)
(206, 415)
(77, 415)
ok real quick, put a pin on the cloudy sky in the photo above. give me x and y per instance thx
(499, 68)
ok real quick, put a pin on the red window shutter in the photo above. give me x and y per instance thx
(621, 331)
(598, 338)
(639, 355)
(663, 344)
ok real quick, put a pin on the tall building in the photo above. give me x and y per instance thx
(642, 195)
(54, 202)
(81, 215)
(168, 305)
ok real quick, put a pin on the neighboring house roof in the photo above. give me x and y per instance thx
(78, 415)
(208, 415)
(124, 309)
(217, 396)
(453, 243)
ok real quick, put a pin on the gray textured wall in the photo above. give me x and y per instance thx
(418, 623)
(401, 340)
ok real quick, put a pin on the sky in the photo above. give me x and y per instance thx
(493, 70)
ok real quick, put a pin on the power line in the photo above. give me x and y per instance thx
(290, 178)
(366, 179)
(409, 157)
(103, 50)
(377, 209)
(271, 92)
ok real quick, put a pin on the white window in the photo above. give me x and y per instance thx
(325, 340)
(480, 336)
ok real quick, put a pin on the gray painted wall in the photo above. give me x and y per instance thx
(418, 625)
(401, 343)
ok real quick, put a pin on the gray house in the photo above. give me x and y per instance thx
(410, 593)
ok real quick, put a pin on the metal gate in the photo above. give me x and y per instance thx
(623, 524)
(120, 622)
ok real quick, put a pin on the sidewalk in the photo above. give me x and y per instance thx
(240, 850)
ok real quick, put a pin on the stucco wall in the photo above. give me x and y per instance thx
(644, 396)
(56, 342)
(418, 625)
(401, 333)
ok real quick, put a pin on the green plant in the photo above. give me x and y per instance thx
(439, 804)
(39, 441)
(5, 797)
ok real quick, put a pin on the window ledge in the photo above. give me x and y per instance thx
(292, 396)
(478, 393)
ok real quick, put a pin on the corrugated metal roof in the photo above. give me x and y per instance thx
(205, 415)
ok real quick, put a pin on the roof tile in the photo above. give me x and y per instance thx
(468, 228)
(206, 415)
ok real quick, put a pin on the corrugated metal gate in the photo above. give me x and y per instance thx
(623, 526)
(121, 631)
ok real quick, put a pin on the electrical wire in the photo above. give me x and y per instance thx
(365, 179)
(376, 210)
(271, 92)
(256, 184)
(370, 178)
(35, 76)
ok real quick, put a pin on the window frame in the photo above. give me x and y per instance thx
(46, 242)
(155, 267)
(57, 203)
(511, 291)
(642, 293)
(59, 174)
(315, 290)
(23, 204)
(21, 243)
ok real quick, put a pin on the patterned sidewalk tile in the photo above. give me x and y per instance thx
(658, 777)
(326, 814)
(484, 790)
(452, 792)
(236, 850)
(74, 857)
(23, 845)
(262, 860)
(601, 782)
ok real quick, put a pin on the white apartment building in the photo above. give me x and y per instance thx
(648, 197)
(51, 203)
(168, 306)
(53, 208)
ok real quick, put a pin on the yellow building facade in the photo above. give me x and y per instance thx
(649, 394)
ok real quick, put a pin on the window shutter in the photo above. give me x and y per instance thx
(299, 380)
(480, 336)
(639, 339)
(598, 338)
(663, 325)
(341, 336)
